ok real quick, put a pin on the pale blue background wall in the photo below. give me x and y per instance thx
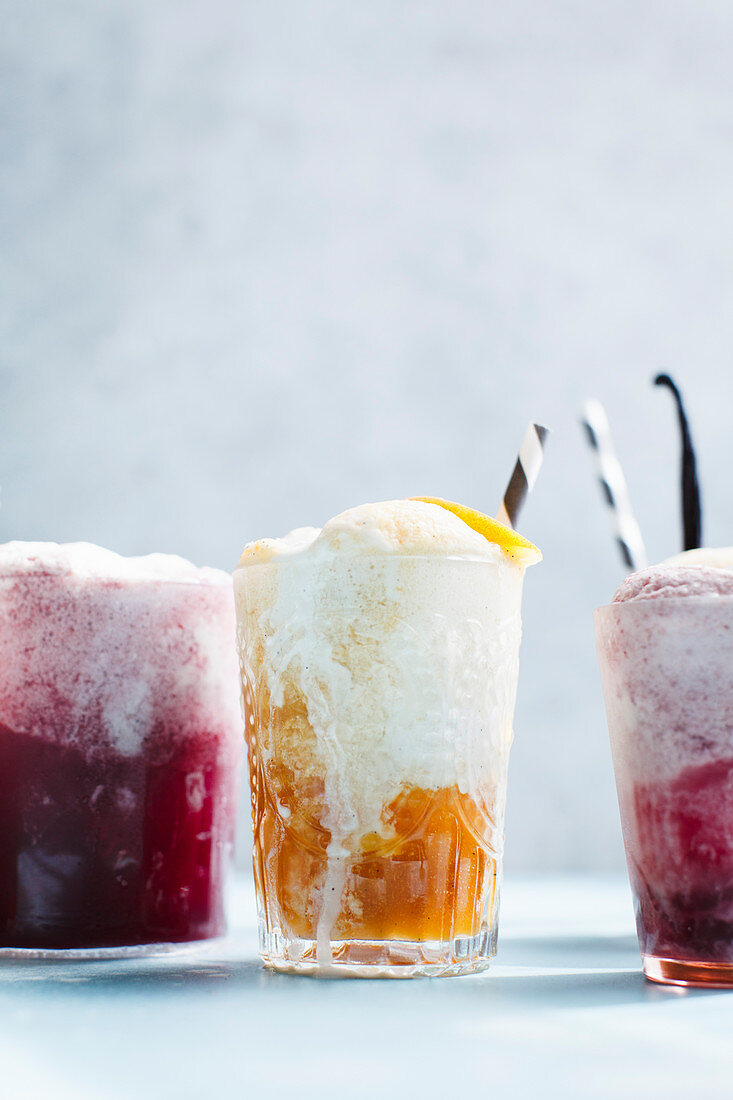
(263, 260)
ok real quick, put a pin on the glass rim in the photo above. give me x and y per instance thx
(382, 555)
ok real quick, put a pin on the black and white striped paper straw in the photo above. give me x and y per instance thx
(524, 474)
(613, 486)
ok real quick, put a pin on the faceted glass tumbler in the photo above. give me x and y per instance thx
(379, 694)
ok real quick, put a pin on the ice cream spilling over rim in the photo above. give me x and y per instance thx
(386, 660)
(371, 611)
(415, 526)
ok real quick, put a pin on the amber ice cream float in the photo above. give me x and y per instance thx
(379, 662)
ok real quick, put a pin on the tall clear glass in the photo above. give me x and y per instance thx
(379, 694)
(667, 671)
(120, 734)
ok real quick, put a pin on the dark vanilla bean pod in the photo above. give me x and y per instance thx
(691, 510)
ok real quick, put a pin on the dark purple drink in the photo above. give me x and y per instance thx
(120, 736)
(666, 654)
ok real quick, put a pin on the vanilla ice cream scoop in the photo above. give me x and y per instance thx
(720, 558)
(413, 526)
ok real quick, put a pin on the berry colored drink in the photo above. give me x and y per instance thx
(119, 746)
(379, 663)
(666, 654)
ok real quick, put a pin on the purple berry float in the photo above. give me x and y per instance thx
(120, 736)
(665, 647)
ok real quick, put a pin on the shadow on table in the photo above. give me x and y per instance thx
(570, 951)
(589, 971)
(493, 991)
(569, 990)
(131, 975)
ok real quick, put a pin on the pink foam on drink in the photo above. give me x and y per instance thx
(119, 745)
(102, 652)
(675, 582)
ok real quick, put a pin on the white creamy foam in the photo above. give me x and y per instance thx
(665, 582)
(666, 669)
(405, 660)
(85, 561)
(389, 527)
(715, 558)
(402, 666)
(666, 650)
(101, 652)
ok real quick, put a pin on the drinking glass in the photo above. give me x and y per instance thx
(120, 735)
(379, 693)
(667, 671)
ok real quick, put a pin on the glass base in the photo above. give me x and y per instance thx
(679, 972)
(89, 954)
(379, 958)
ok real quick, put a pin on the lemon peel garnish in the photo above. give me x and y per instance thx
(515, 546)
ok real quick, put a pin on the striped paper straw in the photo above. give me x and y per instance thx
(524, 474)
(613, 486)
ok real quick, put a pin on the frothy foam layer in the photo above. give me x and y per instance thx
(666, 667)
(670, 581)
(86, 561)
(403, 673)
(389, 527)
(107, 653)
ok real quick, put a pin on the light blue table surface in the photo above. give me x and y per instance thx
(564, 1012)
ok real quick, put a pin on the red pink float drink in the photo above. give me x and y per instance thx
(666, 654)
(119, 746)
